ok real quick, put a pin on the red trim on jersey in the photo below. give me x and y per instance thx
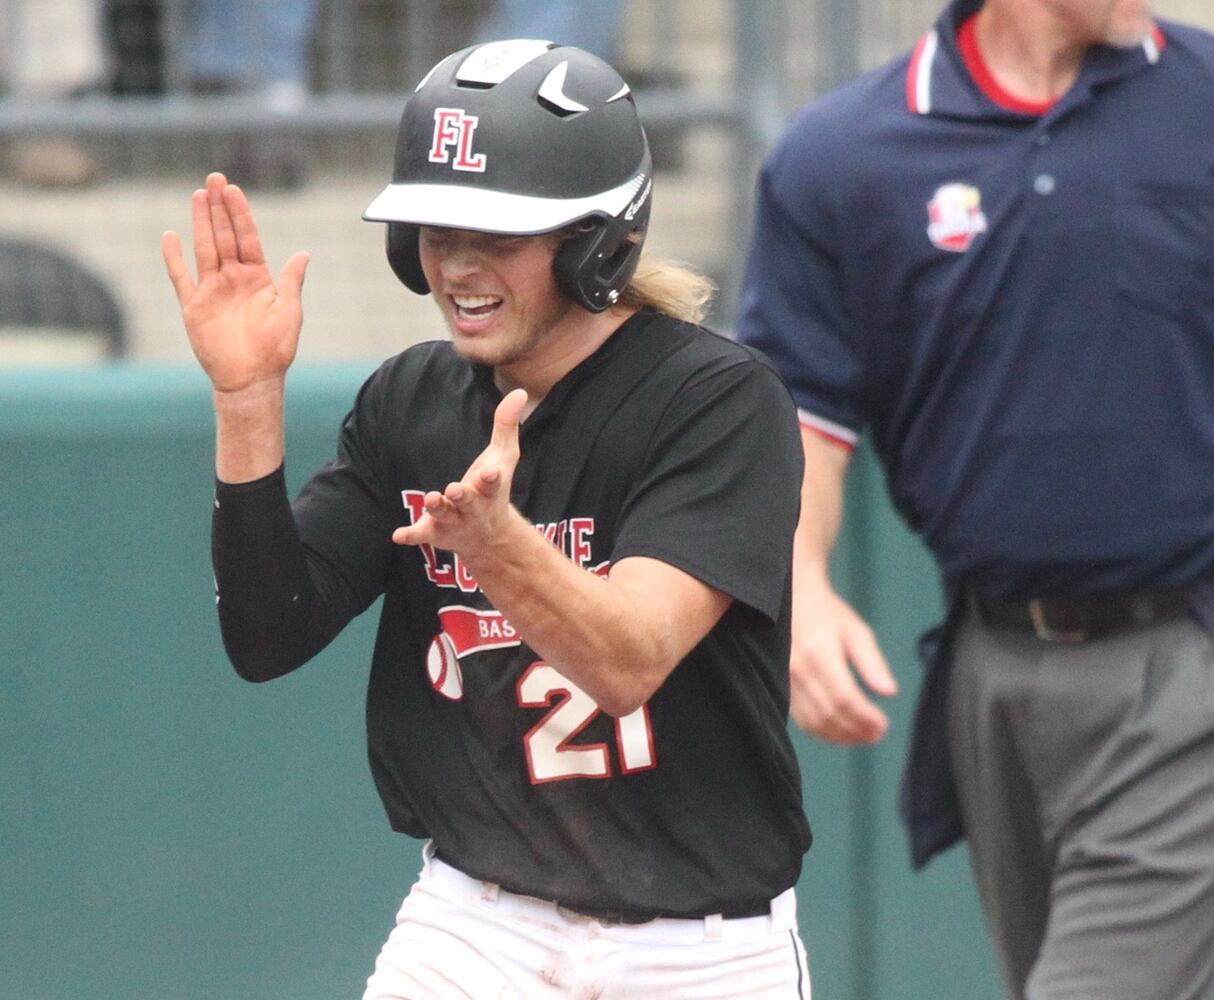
(1161, 40)
(967, 41)
(846, 445)
(912, 75)
(473, 631)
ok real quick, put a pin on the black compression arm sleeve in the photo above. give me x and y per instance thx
(279, 605)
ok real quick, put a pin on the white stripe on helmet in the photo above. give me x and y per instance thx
(459, 207)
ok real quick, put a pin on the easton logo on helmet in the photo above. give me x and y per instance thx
(631, 211)
(455, 127)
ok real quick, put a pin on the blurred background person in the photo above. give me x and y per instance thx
(262, 48)
(593, 26)
(50, 49)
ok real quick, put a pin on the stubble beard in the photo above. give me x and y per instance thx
(508, 347)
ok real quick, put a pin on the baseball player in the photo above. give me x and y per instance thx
(579, 512)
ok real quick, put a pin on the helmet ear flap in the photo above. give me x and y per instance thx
(594, 267)
(404, 256)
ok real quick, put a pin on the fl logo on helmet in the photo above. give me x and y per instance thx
(453, 130)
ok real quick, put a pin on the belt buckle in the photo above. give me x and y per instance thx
(1046, 632)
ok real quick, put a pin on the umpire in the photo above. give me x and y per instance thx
(995, 256)
(579, 513)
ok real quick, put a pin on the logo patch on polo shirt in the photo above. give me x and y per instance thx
(955, 217)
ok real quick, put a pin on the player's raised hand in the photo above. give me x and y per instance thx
(829, 639)
(466, 516)
(242, 324)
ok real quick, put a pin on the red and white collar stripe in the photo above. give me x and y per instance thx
(923, 60)
(919, 75)
(1154, 44)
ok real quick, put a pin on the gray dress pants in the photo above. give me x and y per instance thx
(1086, 777)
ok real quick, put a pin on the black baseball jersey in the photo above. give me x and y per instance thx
(668, 442)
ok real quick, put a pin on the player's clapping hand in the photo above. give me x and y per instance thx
(243, 326)
(468, 515)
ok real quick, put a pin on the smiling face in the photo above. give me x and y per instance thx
(498, 294)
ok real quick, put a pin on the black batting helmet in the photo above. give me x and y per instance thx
(523, 137)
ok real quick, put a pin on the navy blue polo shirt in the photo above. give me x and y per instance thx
(1017, 307)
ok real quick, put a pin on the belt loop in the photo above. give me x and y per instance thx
(714, 926)
(489, 891)
(784, 911)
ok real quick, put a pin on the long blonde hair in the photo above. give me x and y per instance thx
(670, 287)
(667, 286)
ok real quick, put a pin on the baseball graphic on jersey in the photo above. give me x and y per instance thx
(443, 666)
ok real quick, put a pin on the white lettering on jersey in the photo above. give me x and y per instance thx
(549, 748)
(473, 631)
(573, 536)
(551, 753)
(448, 572)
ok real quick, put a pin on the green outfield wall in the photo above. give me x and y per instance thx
(170, 831)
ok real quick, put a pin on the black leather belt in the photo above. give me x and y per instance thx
(1078, 619)
(626, 916)
(644, 916)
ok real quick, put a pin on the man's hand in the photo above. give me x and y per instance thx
(828, 638)
(617, 638)
(467, 517)
(243, 327)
